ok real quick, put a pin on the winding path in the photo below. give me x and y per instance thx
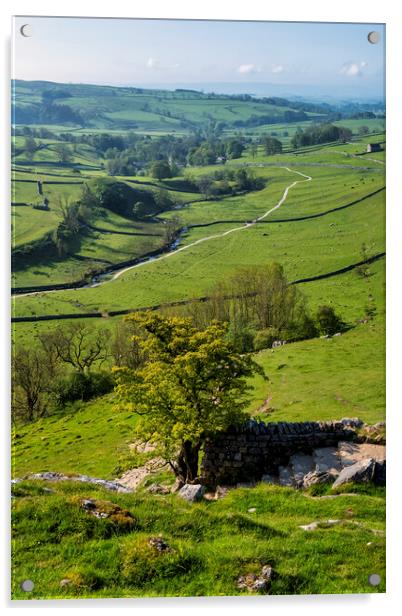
(246, 225)
(243, 226)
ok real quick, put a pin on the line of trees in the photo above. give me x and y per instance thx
(260, 307)
(225, 181)
(320, 133)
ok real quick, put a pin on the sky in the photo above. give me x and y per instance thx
(295, 58)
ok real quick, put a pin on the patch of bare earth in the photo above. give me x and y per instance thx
(135, 476)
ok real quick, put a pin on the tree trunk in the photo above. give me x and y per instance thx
(187, 461)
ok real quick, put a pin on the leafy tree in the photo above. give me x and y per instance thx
(364, 269)
(118, 196)
(30, 147)
(253, 149)
(162, 200)
(81, 386)
(160, 169)
(271, 146)
(63, 152)
(192, 386)
(329, 323)
(205, 185)
(234, 148)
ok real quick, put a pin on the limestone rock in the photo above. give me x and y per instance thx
(379, 476)
(253, 582)
(285, 477)
(114, 486)
(159, 544)
(192, 492)
(360, 472)
(178, 484)
(301, 465)
(352, 422)
(314, 477)
(309, 527)
(65, 582)
(221, 491)
(350, 453)
(319, 524)
(156, 488)
(326, 460)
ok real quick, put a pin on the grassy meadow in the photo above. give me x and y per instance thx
(102, 559)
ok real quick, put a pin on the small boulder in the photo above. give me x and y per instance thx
(65, 582)
(317, 477)
(352, 422)
(379, 476)
(257, 583)
(176, 487)
(319, 524)
(309, 527)
(159, 544)
(286, 477)
(156, 488)
(192, 492)
(221, 491)
(301, 465)
(361, 472)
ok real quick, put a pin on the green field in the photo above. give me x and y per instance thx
(333, 241)
(104, 560)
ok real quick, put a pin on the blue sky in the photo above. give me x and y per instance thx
(327, 58)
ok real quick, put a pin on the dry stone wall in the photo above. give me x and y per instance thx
(248, 452)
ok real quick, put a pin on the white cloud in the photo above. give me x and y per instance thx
(353, 69)
(153, 63)
(246, 69)
(277, 68)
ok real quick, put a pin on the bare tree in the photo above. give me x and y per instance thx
(30, 378)
(78, 345)
(171, 227)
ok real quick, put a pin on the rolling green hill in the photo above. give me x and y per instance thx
(138, 108)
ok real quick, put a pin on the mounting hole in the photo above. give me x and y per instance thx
(373, 37)
(27, 585)
(26, 30)
(374, 579)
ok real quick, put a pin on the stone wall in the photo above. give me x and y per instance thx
(248, 452)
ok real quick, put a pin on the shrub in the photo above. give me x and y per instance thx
(329, 323)
(82, 386)
(264, 338)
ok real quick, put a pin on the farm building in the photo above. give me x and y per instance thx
(373, 147)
